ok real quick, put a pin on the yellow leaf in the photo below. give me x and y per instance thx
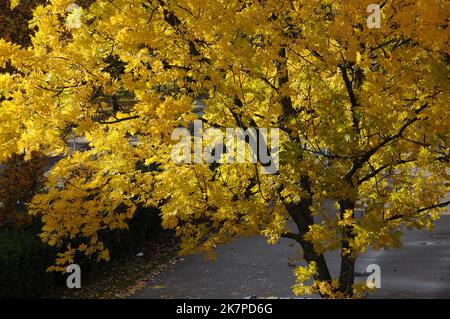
(14, 3)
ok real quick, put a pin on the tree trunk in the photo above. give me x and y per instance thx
(301, 212)
(347, 272)
(310, 255)
(302, 217)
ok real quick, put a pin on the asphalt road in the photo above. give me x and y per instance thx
(249, 267)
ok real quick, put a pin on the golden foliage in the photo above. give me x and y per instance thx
(364, 113)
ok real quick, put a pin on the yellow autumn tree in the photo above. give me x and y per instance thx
(362, 112)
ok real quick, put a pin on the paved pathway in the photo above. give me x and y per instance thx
(248, 266)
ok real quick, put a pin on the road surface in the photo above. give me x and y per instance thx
(249, 267)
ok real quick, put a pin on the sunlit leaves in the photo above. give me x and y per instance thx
(131, 71)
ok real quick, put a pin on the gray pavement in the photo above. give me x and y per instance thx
(250, 267)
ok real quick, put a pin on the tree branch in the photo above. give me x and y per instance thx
(290, 235)
(119, 120)
(421, 210)
(351, 95)
(363, 159)
(375, 172)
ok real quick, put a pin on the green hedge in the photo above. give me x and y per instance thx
(23, 263)
(24, 258)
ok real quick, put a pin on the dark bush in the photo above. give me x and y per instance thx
(145, 224)
(24, 258)
(20, 180)
(122, 244)
(23, 263)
